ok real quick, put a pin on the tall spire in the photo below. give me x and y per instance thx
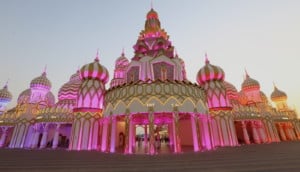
(97, 56)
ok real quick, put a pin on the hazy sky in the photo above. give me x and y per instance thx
(262, 36)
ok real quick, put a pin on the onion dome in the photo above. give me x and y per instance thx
(122, 61)
(278, 95)
(41, 82)
(94, 70)
(231, 91)
(70, 89)
(210, 73)
(24, 96)
(250, 84)
(263, 97)
(5, 95)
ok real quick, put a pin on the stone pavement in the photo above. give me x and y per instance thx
(284, 156)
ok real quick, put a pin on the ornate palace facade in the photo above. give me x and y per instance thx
(150, 91)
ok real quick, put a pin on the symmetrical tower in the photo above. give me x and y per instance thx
(212, 79)
(85, 128)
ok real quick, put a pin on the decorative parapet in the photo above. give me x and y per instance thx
(163, 94)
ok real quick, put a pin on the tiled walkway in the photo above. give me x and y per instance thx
(279, 157)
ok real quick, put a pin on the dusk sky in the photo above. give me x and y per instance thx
(262, 36)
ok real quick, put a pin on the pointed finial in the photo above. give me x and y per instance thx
(97, 56)
(274, 85)
(6, 84)
(151, 4)
(247, 76)
(45, 70)
(123, 53)
(206, 58)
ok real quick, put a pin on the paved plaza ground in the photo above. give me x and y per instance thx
(284, 156)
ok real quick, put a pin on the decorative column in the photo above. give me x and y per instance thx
(254, 132)
(170, 133)
(231, 141)
(281, 132)
(177, 145)
(130, 135)
(245, 133)
(3, 136)
(127, 128)
(56, 137)
(44, 137)
(262, 133)
(104, 135)
(36, 136)
(267, 130)
(220, 134)
(195, 132)
(113, 134)
(151, 129)
(145, 136)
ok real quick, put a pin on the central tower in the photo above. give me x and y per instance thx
(154, 56)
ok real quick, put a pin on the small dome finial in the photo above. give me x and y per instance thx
(151, 4)
(6, 84)
(45, 70)
(97, 56)
(206, 58)
(123, 53)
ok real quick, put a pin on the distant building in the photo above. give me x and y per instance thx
(150, 91)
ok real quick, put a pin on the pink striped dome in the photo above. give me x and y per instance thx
(231, 91)
(70, 89)
(94, 70)
(209, 73)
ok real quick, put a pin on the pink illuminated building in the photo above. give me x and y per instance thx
(149, 99)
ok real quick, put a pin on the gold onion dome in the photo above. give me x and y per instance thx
(5, 95)
(278, 95)
(210, 73)
(94, 70)
(41, 82)
(250, 84)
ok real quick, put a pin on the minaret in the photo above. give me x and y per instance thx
(90, 102)
(5, 98)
